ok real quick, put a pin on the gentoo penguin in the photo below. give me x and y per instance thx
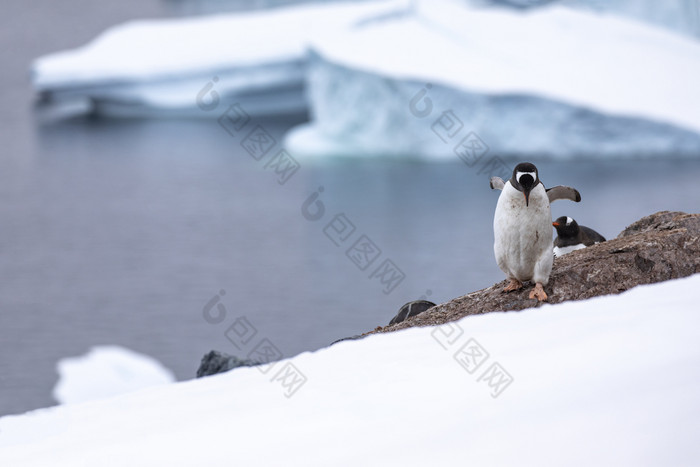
(571, 236)
(522, 228)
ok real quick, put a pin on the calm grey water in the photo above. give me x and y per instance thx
(120, 232)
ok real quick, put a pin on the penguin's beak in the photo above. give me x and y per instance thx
(527, 198)
(555, 224)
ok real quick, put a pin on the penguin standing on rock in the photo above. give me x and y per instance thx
(571, 236)
(522, 227)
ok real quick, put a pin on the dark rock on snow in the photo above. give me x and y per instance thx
(218, 362)
(411, 309)
(351, 338)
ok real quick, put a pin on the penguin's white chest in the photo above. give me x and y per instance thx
(523, 234)
(561, 251)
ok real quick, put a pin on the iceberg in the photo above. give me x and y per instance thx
(107, 371)
(436, 80)
(552, 81)
(186, 67)
(608, 381)
(681, 16)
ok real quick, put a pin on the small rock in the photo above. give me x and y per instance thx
(353, 338)
(218, 362)
(411, 309)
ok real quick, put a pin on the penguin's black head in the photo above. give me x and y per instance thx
(566, 227)
(524, 179)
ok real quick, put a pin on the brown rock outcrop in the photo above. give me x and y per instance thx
(663, 246)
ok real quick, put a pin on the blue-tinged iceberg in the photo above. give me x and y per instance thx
(438, 79)
(447, 81)
(681, 16)
(181, 66)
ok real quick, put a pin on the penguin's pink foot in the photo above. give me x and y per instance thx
(515, 284)
(538, 293)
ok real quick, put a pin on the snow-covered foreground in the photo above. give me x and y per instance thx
(608, 381)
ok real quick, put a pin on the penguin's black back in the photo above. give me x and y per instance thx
(590, 236)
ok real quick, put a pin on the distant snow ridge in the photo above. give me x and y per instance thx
(551, 81)
(107, 371)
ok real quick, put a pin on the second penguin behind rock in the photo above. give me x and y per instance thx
(571, 236)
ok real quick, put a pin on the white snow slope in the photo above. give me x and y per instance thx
(608, 381)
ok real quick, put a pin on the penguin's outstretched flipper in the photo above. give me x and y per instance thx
(562, 192)
(497, 183)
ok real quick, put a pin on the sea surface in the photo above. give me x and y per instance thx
(166, 236)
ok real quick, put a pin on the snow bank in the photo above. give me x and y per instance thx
(608, 381)
(161, 66)
(107, 371)
(553, 81)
